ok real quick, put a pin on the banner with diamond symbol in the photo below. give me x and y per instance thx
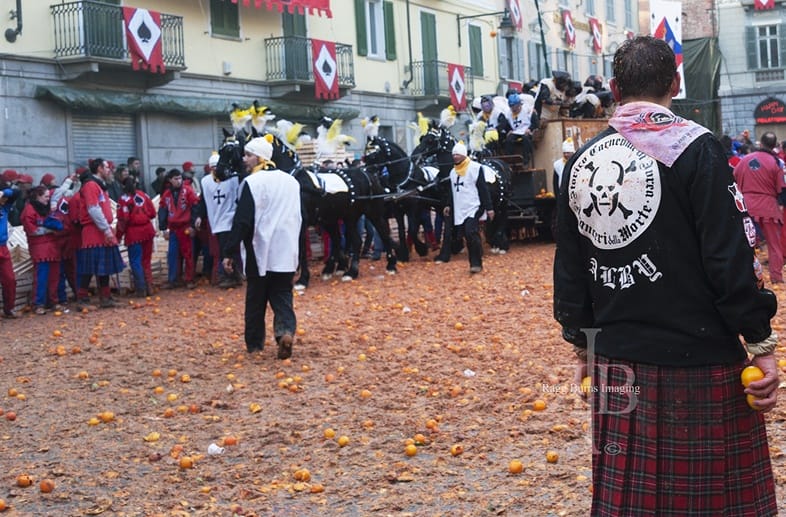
(325, 69)
(458, 92)
(143, 32)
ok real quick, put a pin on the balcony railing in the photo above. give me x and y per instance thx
(289, 59)
(95, 30)
(430, 78)
(775, 74)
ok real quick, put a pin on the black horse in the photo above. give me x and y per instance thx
(436, 146)
(413, 189)
(327, 198)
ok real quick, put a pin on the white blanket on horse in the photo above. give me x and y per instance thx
(329, 182)
(430, 173)
(489, 174)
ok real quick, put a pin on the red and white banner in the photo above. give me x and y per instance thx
(514, 8)
(325, 69)
(515, 85)
(763, 5)
(570, 30)
(143, 31)
(597, 36)
(322, 7)
(457, 86)
(666, 24)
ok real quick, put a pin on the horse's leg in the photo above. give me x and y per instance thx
(446, 251)
(353, 245)
(302, 282)
(335, 244)
(380, 222)
(403, 246)
(415, 222)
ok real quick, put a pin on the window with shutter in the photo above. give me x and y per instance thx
(611, 15)
(476, 50)
(360, 27)
(390, 32)
(750, 47)
(224, 19)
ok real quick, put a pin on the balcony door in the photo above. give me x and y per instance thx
(103, 29)
(428, 35)
(296, 48)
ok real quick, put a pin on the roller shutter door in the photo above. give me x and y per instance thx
(112, 137)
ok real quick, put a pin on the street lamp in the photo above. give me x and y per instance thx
(542, 39)
(506, 25)
(508, 30)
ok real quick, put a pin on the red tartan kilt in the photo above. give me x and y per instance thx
(690, 445)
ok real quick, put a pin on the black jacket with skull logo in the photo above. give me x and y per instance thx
(658, 258)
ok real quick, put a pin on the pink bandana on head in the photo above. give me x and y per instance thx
(655, 130)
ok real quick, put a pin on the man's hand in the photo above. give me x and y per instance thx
(198, 223)
(579, 373)
(765, 390)
(490, 214)
(227, 263)
(446, 211)
(166, 235)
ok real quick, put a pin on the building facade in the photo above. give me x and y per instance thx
(70, 90)
(752, 76)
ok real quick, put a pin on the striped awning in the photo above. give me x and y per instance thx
(322, 7)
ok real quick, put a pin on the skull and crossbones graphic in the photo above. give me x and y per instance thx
(605, 185)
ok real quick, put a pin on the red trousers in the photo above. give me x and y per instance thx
(7, 279)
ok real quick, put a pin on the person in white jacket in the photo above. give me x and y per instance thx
(267, 222)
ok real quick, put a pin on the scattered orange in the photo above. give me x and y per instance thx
(24, 480)
(3, 505)
(411, 449)
(459, 326)
(343, 441)
(185, 378)
(158, 390)
(83, 375)
(186, 462)
(515, 467)
(93, 421)
(106, 416)
(330, 377)
(12, 392)
(57, 333)
(365, 394)
(169, 412)
(539, 405)
(329, 433)
(230, 440)
(302, 475)
(419, 439)
(46, 485)
(457, 449)
(552, 456)
(431, 424)
(317, 488)
(10, 416)
(172, 372)
(751, 374)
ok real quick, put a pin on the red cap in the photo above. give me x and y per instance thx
(187, 166)
(81, 170)
(48, 179)
(111, 164)
(9, 175)
(25, 178)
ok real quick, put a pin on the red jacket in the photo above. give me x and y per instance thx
(92, 194)
(176, 213)
(43, 244)
(133, 218)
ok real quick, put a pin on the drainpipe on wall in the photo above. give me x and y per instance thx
(409, 41)
(11, 34)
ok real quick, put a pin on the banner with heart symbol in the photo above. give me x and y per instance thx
(143, 31)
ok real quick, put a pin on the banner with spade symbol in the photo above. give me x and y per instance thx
(143, 31)
(457, 86)
(325, 69)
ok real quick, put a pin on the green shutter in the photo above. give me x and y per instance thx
(476, 51)
(750, 46)
(360, 27)
(224, 18)
(390, 31)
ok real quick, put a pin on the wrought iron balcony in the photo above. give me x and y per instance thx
(430, 79)
(88, 31)
(288, 61)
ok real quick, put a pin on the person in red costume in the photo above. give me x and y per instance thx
(176, 220)
(135, 211)
(98, 253)
(43, 241)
